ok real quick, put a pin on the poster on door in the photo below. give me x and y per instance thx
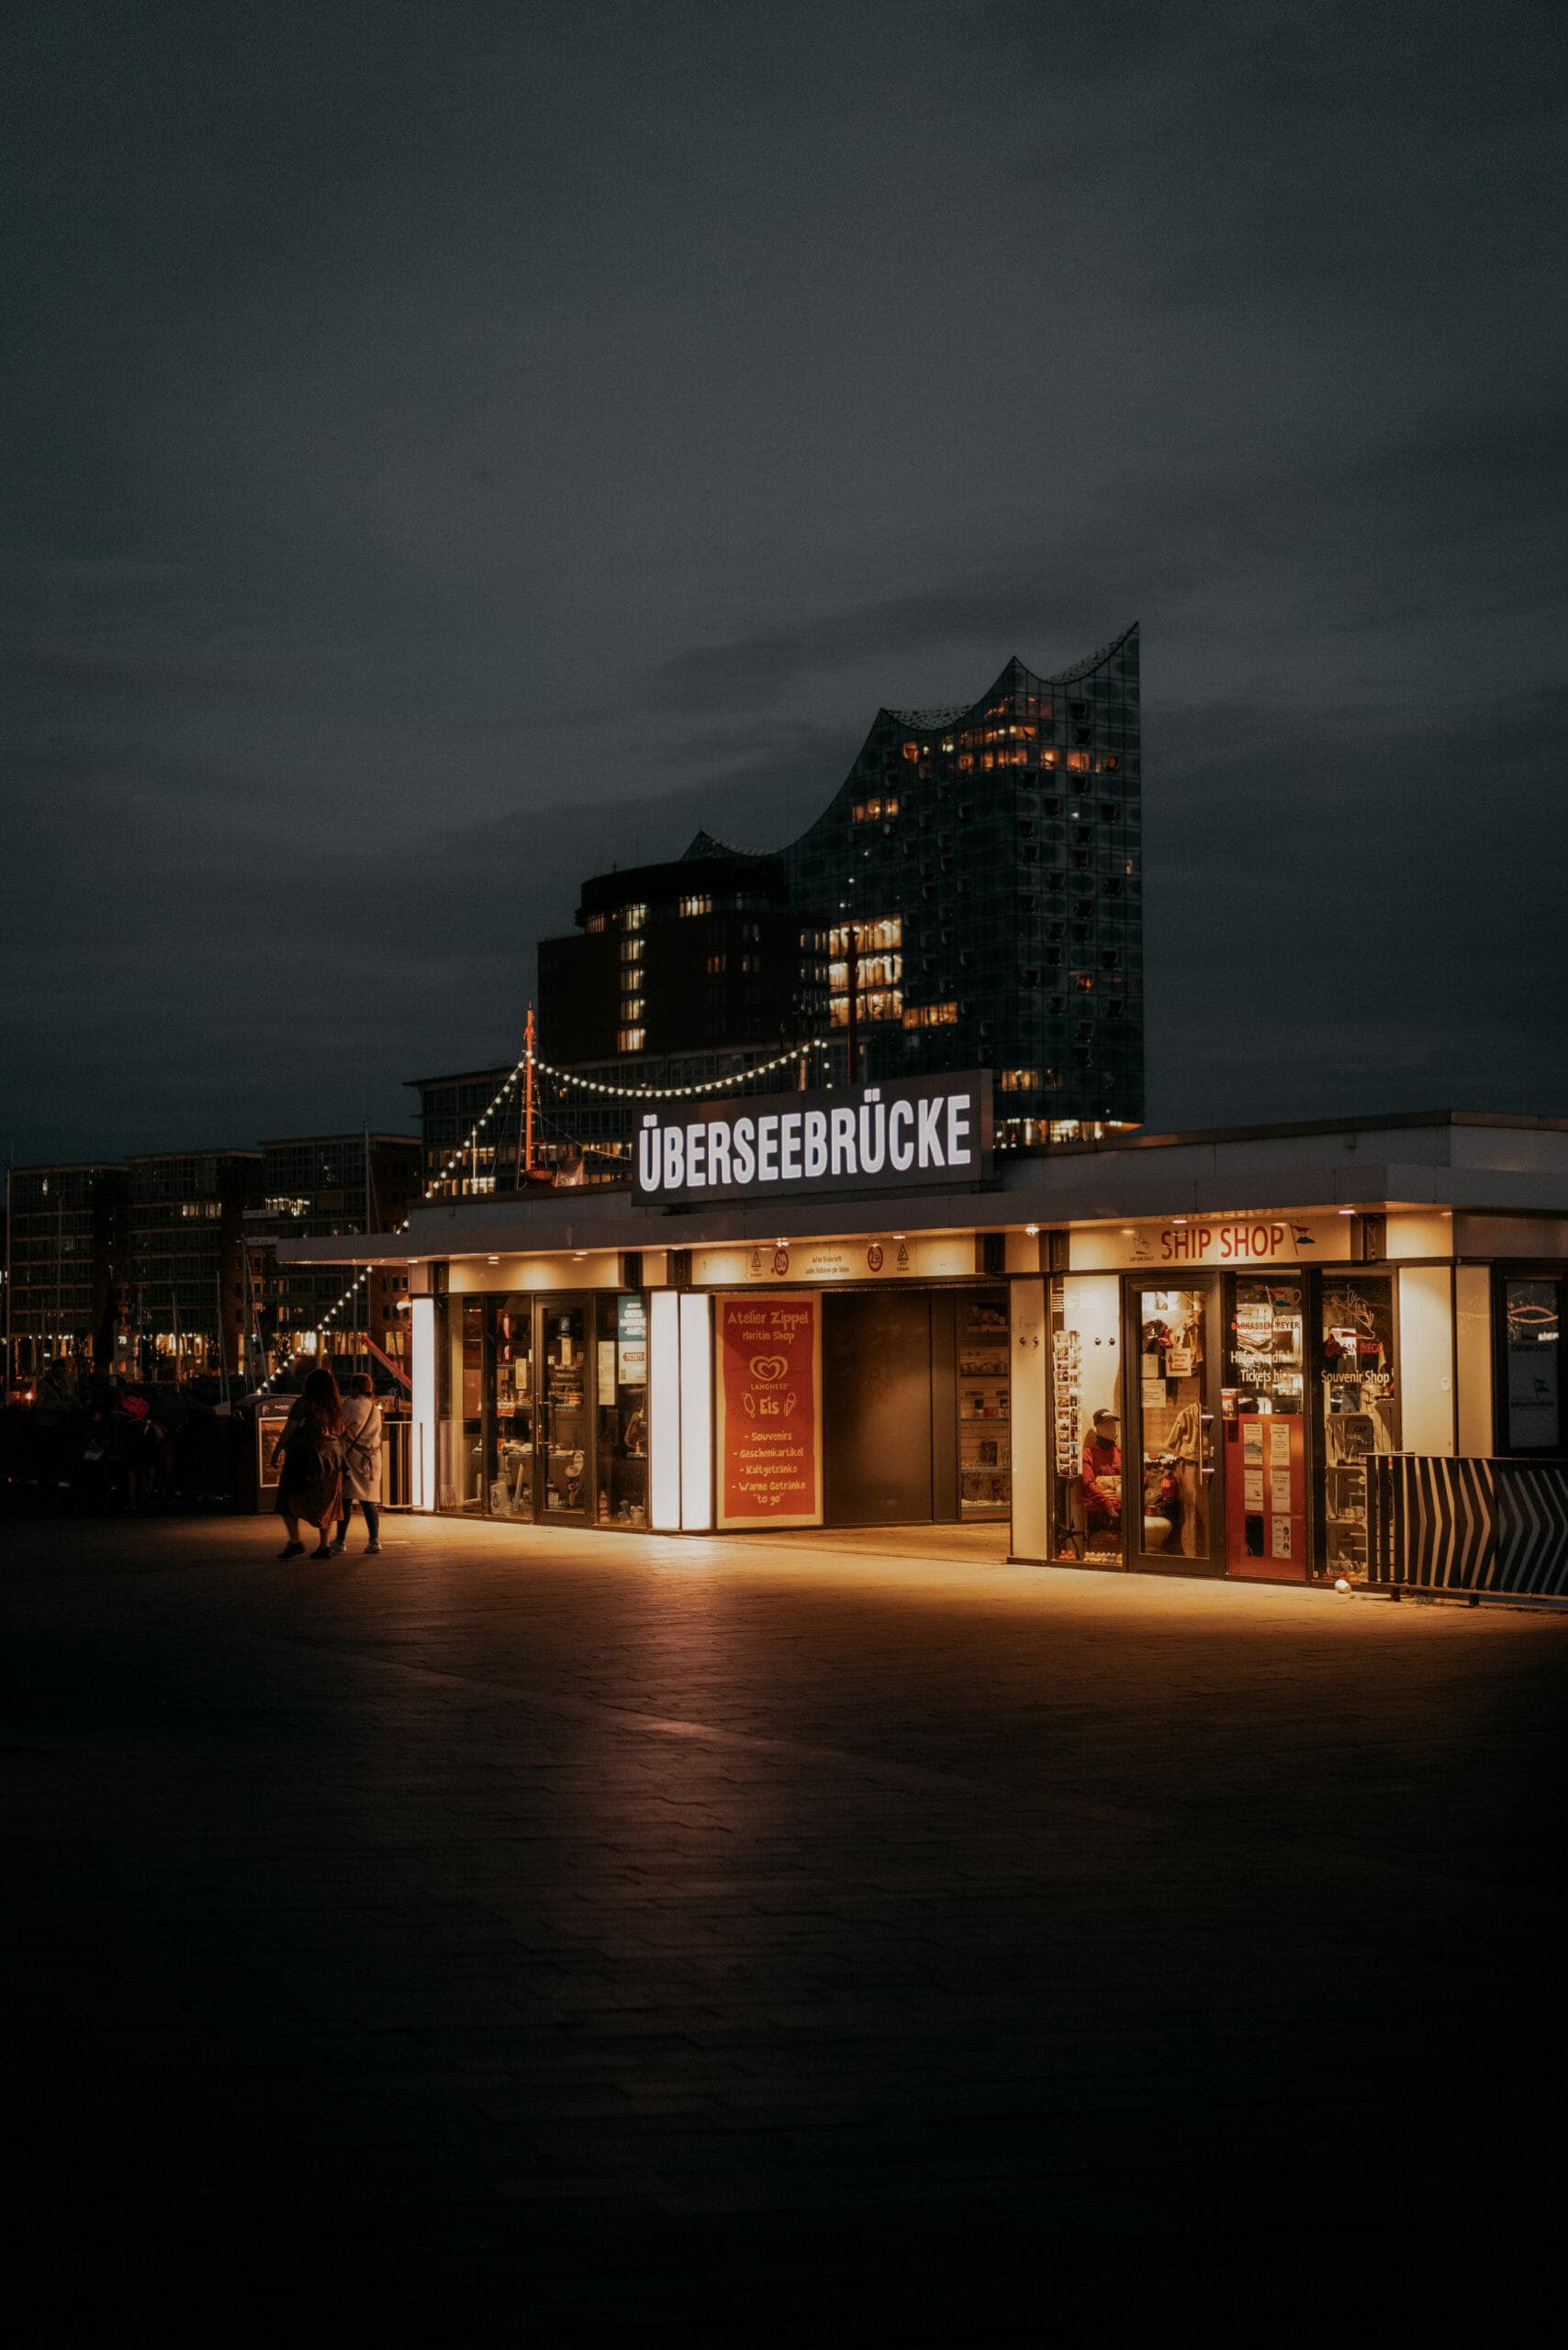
(1265, 1494)
(769, 1391)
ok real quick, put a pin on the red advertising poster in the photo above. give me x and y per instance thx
(770, 1409)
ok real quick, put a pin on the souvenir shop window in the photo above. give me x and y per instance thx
(984, 1402)
(1358, 1394)
(511, 1471)
(1530, 1332)
(621, 1389)
(460, 1406)
(1085, 1413)
(1175, 1430)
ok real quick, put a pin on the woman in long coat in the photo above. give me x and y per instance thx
(362, 1461)
(310, 1449)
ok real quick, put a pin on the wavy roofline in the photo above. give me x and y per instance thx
(927, 720)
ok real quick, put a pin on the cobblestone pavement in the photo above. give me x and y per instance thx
(548, 1937)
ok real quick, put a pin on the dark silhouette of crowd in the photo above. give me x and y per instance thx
(101, 1445)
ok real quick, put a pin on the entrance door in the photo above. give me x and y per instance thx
(1174, 1394)
(1264, 1403)
(877, 1408)
(565, 1430)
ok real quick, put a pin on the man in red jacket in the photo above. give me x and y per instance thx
(1102, 1476)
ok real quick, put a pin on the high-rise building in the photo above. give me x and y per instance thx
(186, 1290)
(66, 1264)
(971, 898)
(316, 1187)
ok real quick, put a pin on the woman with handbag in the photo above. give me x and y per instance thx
(362, 1461)
(310, 1451)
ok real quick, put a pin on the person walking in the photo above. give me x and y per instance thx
(361, 1463)
(311, 1452)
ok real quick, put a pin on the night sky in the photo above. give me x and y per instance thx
(448, 449)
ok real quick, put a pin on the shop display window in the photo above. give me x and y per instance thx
(621, 1453)
(512, 1463)
(460, 1461)
(985, 1405)
(562, 1409)
(1359, 1401)
(1264, 1403)
(1174, 1427)
(1085, 1381)
(1531, 1327)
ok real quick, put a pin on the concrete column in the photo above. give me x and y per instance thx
(1030, 1349)
(1473, 1358)
(1425, 1359)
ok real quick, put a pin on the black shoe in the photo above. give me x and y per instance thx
(372, 1550)
(292, 1551)
(321, 1552)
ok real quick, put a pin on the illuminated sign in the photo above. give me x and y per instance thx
(769, 1397)
(1222, 1241)
(919, 1132)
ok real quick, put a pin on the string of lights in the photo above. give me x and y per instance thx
(562, 1076)
(681, 1093)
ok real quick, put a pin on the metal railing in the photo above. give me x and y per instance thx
(1442, 1522)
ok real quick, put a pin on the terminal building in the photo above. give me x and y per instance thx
(846, 1307)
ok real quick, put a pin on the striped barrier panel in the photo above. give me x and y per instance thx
(1455, 1524)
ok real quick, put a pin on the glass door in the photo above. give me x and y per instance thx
(563, 1428)
(1359, 1406)
(620, 1373)
(1263, 1417)
(460, 1464)
(1173, 1388)
(514, 1455)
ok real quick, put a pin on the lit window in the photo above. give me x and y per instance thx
(717, 963)
(594, 922)
(1084, 981)
(911, 750)
(1108, 764)
(633, 917)
(703, 905)
(931, 1015)
(965, 761)
(1050, 758)
(1078, 762)
(631, 950)
(630, 1040)
(1020, 1080)
(751, 962)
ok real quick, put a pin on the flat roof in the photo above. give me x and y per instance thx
(1470, 1161)
(357, 1135)
(1138, 1139)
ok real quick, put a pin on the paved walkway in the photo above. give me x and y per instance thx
(541, 1936)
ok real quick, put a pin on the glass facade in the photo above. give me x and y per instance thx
(1359, 1406)
(1532, 1398)
(989, 862)
(1174, 1421)
(540, 1408)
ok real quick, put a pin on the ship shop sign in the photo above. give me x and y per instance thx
(930, 1130)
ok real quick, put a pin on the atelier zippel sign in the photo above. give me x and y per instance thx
(931, 1131)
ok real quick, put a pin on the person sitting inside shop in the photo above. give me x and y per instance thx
(1103, 1477)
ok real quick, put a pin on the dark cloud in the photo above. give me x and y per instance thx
(449, 450)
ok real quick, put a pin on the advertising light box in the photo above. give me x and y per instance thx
(927, 1132)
